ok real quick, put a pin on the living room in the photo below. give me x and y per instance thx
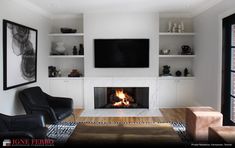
(141, 72)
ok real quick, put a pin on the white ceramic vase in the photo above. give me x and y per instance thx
(60, 47)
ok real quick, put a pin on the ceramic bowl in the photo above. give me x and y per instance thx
(165, 51)
(68, 30)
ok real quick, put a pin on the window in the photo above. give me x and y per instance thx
(228, 88)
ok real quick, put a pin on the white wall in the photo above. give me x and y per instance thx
(10, 10)
(208, 50)
(120, 25)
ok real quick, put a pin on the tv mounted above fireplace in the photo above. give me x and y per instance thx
(121, 53)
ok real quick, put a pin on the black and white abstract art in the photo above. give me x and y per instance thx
(19, 55)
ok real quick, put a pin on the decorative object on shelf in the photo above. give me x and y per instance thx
(19, 55)
(75, 50)
(169, 26)
(68, 30)
(81, 49)
(178, 73)
(182, 26)
(186, 73)
(166, 70)
(165, 51)
(60, 48)
(176, 27)
(74, 73)
(52, 71)
(186, 50)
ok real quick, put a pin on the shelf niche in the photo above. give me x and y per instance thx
(174, 41)
(67, 62)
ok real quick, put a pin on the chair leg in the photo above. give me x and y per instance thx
(74, 117)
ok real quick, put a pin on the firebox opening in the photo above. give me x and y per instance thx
(121, 97)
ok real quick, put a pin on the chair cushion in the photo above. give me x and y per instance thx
(62, 113)
(3, 127)
(39, 133)
(36, 96)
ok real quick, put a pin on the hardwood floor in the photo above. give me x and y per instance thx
(169, 115)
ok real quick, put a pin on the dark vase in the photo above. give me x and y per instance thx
(81, 49)
(186, 72)
(75, 50)
(178, 73)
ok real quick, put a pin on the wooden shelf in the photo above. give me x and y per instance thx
(177, 56)
(66, 56)
(175, 78)
(66, 78)
(176, 34)
(65, 34)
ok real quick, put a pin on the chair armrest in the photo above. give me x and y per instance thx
(47, 111)
(10, 135)
(55, 102)
(26, 122)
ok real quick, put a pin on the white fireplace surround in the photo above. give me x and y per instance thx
(91, 83)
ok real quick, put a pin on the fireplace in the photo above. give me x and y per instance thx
(121, 97)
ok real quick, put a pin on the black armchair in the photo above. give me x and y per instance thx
(22, 126)
(54, 109)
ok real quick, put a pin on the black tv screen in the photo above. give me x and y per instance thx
(121, 53)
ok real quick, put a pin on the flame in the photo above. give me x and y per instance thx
(124, 98)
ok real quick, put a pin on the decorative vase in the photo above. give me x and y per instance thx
(60, 47)
(75, 50)
(178, 73)
(81, 49)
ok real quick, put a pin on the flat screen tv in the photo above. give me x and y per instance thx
(121, 53)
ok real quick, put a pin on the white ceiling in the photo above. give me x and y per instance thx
(62, 7)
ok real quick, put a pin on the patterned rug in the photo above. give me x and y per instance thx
(180, 129)
(62, 131)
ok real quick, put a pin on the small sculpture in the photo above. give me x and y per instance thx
(74, 73)
(178, 73)
(182, 26)
(186, 50)
(186, 73)
(166, 70)
(169, 26)
(52, 71)
(75, 50)
(175, 27)
(81, 49)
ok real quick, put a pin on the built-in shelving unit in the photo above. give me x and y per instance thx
(68, 60)
(176, 34)
(66, 56)
(177, 56)
(175, 78)
(173, 41)
(66, 78)
(66, 34)
(176, 91)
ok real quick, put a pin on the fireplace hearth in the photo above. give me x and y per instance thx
(121, 97)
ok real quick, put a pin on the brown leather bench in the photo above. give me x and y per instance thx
(223, 134)
(199, 119)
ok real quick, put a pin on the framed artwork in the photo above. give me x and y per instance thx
(19, 55)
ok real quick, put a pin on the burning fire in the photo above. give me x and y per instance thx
(124, 98)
